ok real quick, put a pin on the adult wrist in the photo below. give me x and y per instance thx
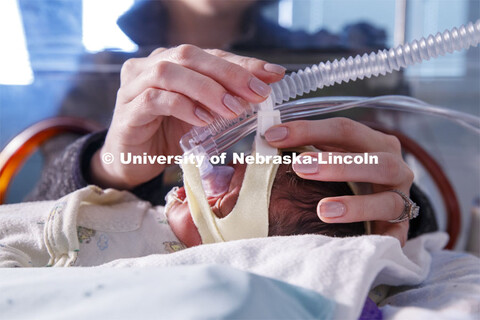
(105, 174)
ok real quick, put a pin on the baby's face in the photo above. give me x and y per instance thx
(180, 218)
(289, 213)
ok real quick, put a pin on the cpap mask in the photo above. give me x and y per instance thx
(249, 217)
(209, 180)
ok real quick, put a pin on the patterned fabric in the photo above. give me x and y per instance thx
(88, 227)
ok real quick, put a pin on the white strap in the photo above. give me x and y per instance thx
(266, 118)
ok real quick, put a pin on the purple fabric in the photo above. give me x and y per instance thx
(370, 311)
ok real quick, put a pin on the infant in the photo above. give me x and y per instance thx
(292, 209)
(92, 226)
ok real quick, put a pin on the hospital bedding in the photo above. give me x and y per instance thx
(433, 282)
(309, 276)
(182, 292)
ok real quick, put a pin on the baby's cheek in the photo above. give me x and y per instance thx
(181, 222)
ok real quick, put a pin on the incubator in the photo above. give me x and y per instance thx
(223, 133)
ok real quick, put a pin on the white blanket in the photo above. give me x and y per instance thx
(344, 270)
(440, 283)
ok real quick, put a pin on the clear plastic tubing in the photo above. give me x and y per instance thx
(222, 133)
(216, 179)
(374, 64)
(204, 139)
(305, 108)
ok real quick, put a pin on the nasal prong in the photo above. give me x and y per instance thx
(217, 181)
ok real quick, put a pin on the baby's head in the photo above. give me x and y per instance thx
(293, 206)
(292, 209)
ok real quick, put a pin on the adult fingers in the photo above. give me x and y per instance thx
(239, 75)
(131, 69)
(340, 133)
(152, 103)
(396, 230)
(135, 66)
(267, 72)
(176, 78)
(381, 206)
(234, 77)
(379, 167)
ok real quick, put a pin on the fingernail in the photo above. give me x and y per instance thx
(259, 87)
(306, 165)
(276, 134)
(233, 104)
(204, 115)
(275, 68)
(332, 209)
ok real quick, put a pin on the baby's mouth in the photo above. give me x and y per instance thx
(181, 194)
(178, 196)
(173, 198)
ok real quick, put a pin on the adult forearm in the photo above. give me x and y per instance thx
(70, 171)
(65, 173)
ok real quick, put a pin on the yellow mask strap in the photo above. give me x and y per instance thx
(249, 217)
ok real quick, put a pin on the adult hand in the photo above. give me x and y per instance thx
(343, 136)
(163, 95)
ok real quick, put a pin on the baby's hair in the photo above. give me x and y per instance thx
(293, 206)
